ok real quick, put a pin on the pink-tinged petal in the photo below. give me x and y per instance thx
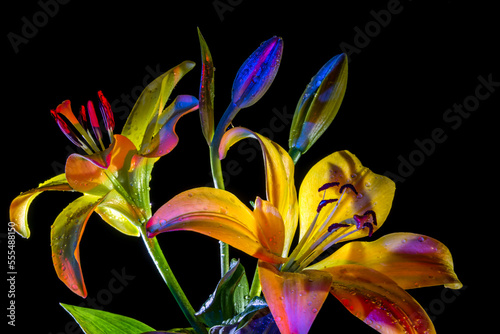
(280, 182)
(20, 205)
(220, 215)
(411, 260)
(66, 233)
(378, 301)
(87, 174)
(152, 101)
(366, 191)
(294, 298)
(164, 138)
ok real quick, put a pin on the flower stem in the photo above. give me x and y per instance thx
(217, 176)
(161, 264)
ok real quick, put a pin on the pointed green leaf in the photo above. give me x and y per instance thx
(206, 95)
(102, 322)
(152, 101)
(229, 298)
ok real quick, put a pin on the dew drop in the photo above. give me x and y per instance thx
(314, 310)
(281, 298)
(190, 195)
(421, 239)
(403, 241)
(74, 287)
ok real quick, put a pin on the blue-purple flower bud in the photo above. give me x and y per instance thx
(257, 73)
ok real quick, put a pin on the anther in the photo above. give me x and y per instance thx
(374, 216)
(328, 185)
(325, 202)
(336, 226)
(370, 227)
(350, 186)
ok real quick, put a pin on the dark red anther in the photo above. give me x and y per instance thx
(325, 202)
(107, 113)
(370, 227)
(374, 216)
(350, 186)
(336, 226)
(66, 130)
(328, 185)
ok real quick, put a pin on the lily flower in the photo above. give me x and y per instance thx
(114, 180)
(339, 200)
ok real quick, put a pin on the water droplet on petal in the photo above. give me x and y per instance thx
(421, 239)
(314, 310)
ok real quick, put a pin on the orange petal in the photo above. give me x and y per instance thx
(280, 183)
(66, 233)
(294, 298)
(378, 301)
(221, 215)
(411, 260)
(87, 174)
(20, 205)
(375, 192)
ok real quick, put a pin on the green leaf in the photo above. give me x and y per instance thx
(206, 95)
(256, 318)
(101, 322)
(151, 102)
(229, 299)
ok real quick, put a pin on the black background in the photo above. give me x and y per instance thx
(401, 84)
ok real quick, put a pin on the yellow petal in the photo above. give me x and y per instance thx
(220, 215)
(66, 233)
(20, 205)
(411, 260)
(119, 213)
(375, 192)
(294, 298)
(378, 301)
(86, 175)
(280, 183)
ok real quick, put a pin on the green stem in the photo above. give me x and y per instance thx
(217, 176)
(161, 264)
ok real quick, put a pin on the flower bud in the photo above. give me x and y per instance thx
(318, 105)
(257, 73)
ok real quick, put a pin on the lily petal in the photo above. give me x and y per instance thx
(86, 174)
(280, 182)
(218, 214)
(378, 301)
(374, 192)
(152, 101)
(411, 260)
(164, 139)
(118, 213)
(294, 298)
(65, 237)
(20, 205)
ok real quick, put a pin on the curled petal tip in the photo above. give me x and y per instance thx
(257, 73)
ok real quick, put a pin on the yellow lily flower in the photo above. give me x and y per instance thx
(339, 200)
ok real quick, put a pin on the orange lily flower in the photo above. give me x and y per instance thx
(339, 200)
(114, 181)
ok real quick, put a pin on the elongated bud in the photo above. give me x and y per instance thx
(318, 105)
(257, 73)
